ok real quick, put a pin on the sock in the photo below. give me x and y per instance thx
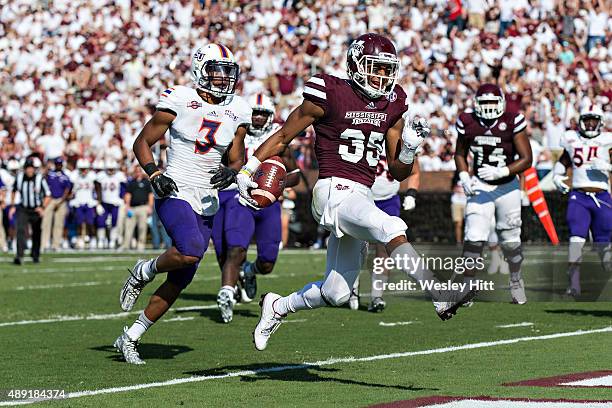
(515, 276)
(414, 267)
(378, 282)
(309, 297)
(149, 269)
(230, 288)
(140, 326)
(101, 233)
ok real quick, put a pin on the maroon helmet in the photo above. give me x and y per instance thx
(489, 102)
(373, 65)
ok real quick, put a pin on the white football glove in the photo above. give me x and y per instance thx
(409, 203)
(244, 182)
(491, 173)
(601, 165)
(412, 138)
(558, 181)
(466, 182)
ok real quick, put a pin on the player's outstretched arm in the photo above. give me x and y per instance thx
(150, 134)
(301, 117)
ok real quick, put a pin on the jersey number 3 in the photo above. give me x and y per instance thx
(206, 136)
(354, 153)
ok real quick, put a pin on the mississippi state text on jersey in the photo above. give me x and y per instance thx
(199, 134)
(583, 151)
(492, 145)
(350, 137)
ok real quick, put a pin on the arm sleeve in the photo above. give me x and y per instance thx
(460, 127)
(315, 91)
(519, 123)
(45, 188)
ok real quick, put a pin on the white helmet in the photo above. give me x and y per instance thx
(111, 165)
(13, 165)
(82, 164)
(98, 164)
(261, 105)
(590, 121)
(214, 70)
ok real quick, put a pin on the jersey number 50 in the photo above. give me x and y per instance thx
(206, 136)
(374, 146)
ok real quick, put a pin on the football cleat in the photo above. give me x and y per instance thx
(377, 305)
(225, 301)
(248, 284)
(517, 291)
(448, 309)
(133, 286)
(127, 347)
(269, 321)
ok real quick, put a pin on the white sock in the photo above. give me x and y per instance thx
(149, 269)
(101, 234)
(378, 281)
(140, 326)
(415, 269)
(230, 288)
(309, 297)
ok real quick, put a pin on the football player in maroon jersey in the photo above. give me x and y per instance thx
(352, 119)
(497, 139)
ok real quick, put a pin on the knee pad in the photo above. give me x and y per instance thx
(311, 294)
(335, 290)
(575, 249)
(473, 249)
(392, 227)
(182, 277)
(513, 252)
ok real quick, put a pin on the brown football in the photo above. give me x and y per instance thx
(270, 179)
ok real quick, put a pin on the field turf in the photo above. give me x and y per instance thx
(59, 320)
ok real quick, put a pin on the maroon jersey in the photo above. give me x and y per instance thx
(491, 145)
(350, 137)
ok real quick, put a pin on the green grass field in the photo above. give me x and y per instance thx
(60, 318)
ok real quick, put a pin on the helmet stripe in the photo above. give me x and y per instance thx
(223, 50)
(259, 99)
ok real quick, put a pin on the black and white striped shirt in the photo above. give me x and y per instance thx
(32, 190)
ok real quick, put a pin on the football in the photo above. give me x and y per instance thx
(270, 179)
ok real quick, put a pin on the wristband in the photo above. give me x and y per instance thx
(412, 192)
(250, 166)
(150, 168)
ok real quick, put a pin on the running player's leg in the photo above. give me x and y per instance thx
(508, 216)
(479, 211)
(601, 227)
(578, 219)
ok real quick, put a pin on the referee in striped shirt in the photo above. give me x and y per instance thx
(35, 196)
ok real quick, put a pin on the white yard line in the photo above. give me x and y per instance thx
(330, 361)
(178, 319)
(522, 324)
(109, 316)
(63, 285)
(397, 323)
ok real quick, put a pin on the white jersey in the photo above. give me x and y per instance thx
(111, 187)
(199, 135)
(9, 180)
(385, 186)
(583, 151)
(83, 188)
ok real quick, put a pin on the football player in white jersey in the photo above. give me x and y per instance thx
(385, 191)
(203, 121)
(236, 223)
(83, 203)
(587, 151)
(108, 191)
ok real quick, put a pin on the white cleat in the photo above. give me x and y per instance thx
(269, 321)
(226, 301)
(447, 309)
(517, 291)
(377, 305)
(133, 286)
(127, 347)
